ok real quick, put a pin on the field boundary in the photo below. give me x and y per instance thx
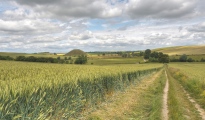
(119, 106)
(180, 107)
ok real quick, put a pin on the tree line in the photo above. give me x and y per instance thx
(82, 59)
(156, 56)
(185, 58)
(164, 58)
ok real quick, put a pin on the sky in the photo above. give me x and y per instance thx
(99, 25)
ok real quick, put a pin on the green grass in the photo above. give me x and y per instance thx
(150, 102)
(192, 77)
(136, 102)
(175, 110)
(180, 108)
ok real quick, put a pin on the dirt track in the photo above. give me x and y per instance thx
(165, 98)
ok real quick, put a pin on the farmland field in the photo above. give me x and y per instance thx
(180, 50)
(40, 91)
(194, 57)
(104, 90)
(14, 55)
(119, 60)
(192, 78)
(102, 59)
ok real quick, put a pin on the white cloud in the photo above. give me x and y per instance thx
(197, 27)
(19, 14)
(50, 25)
(73, 8)
(28, 26)
(160, 8)
(81, 36)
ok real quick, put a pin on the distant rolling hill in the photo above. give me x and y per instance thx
(75, 52)
(179, 50)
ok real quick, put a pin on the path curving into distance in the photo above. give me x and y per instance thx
(165, 98)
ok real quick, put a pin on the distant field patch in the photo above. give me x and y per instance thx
(179, 50)
(101, 61)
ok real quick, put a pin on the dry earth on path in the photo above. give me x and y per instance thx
(165, 110)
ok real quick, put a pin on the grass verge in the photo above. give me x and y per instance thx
(141, 101)
(180, 108)
(194, 85)
(149, 105)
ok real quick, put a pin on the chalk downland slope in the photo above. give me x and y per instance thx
(75, 52)
(179, 50)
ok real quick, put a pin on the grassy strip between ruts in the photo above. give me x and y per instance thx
(142, 101)
(180, 108)
(149, 105)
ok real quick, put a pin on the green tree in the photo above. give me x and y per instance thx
(152, 59)
(6, 58)
(147, 53)
(164, 58)
(58, 58)
(124, 55)
(154, 55)
(183, 58)
(82, 59)
(141, 53)
(190, 60)
(20, 58)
